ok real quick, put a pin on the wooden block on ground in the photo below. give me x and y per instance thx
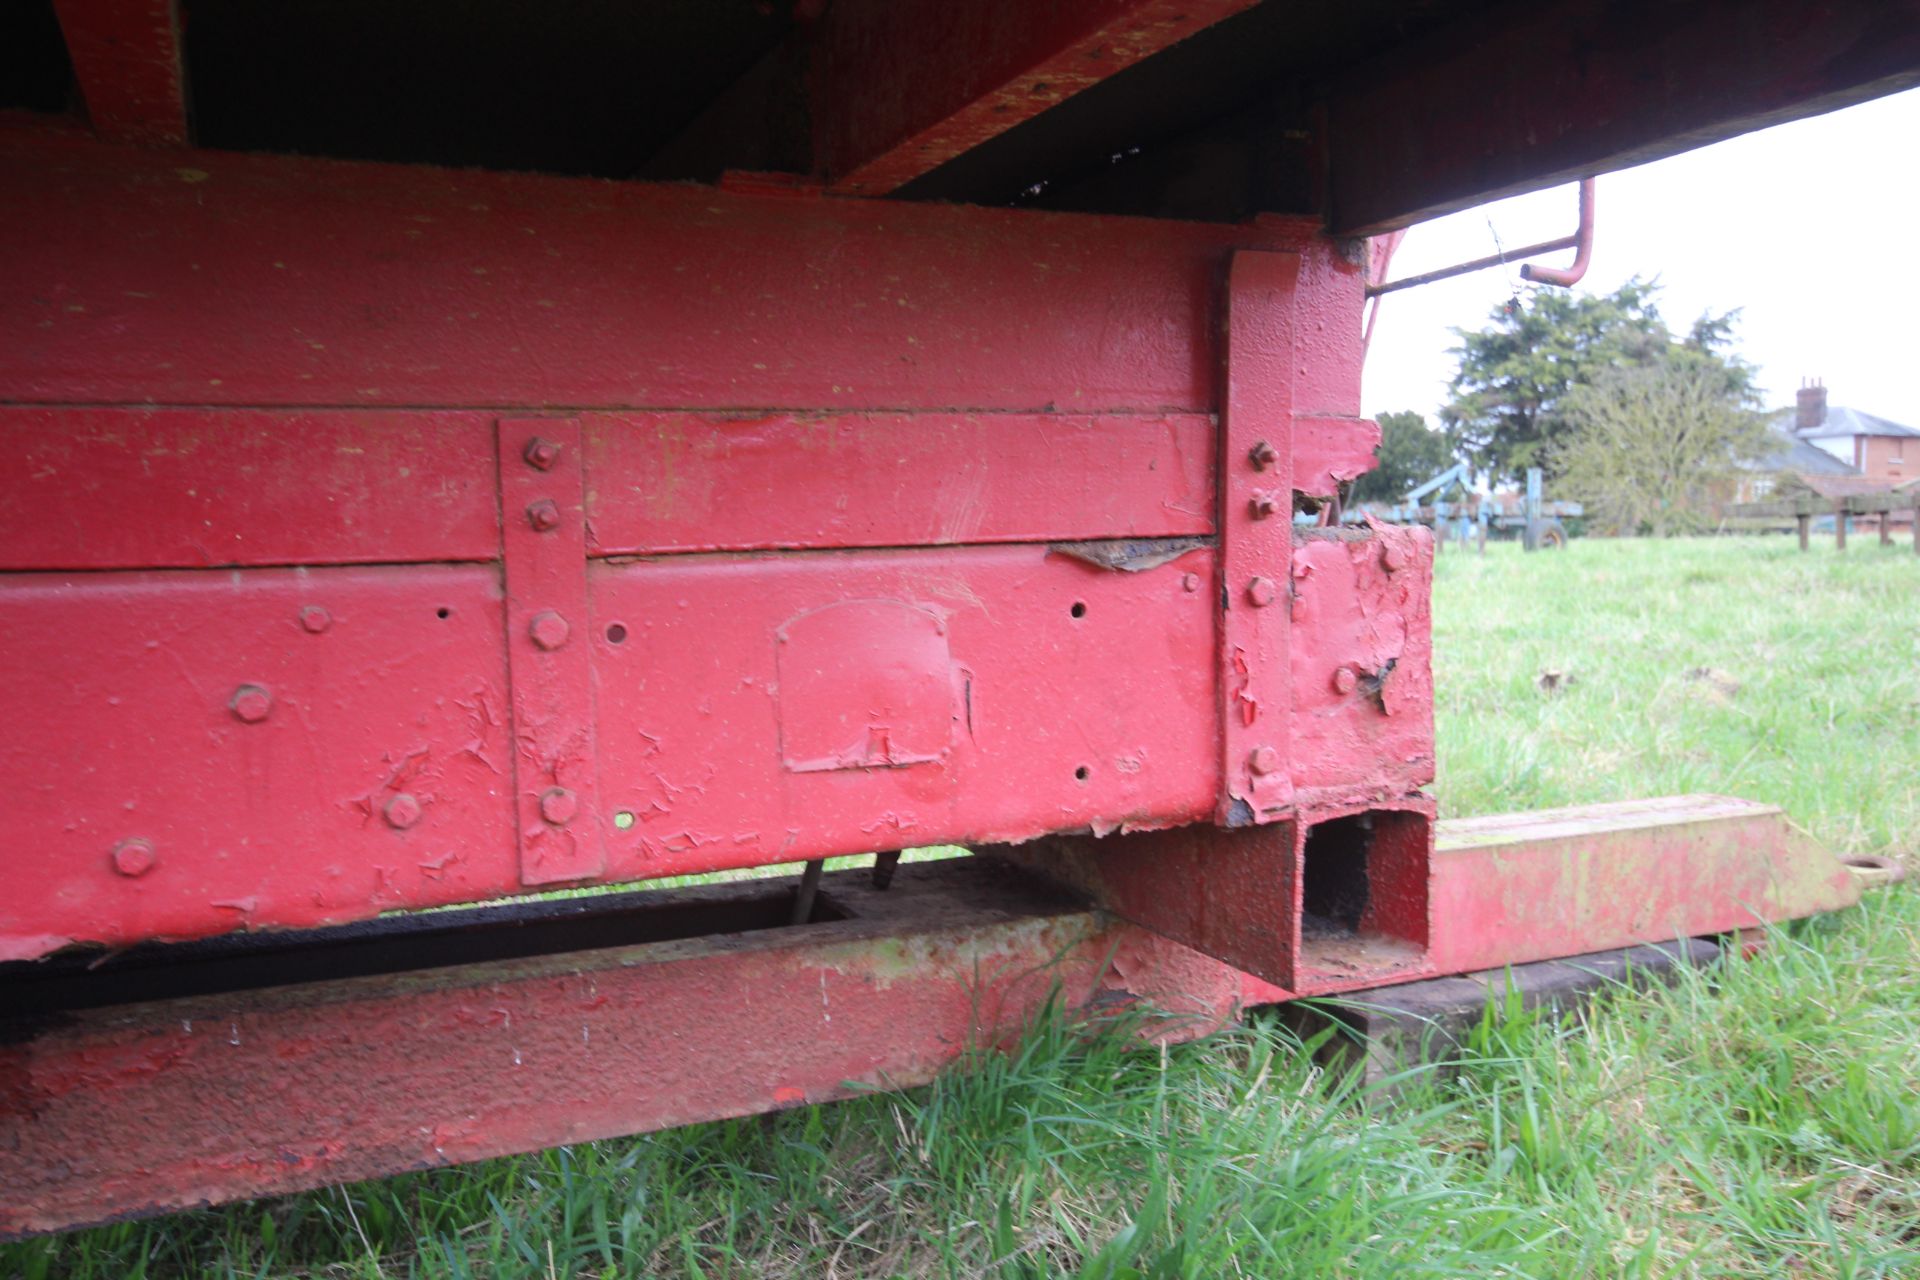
(1397, 1029)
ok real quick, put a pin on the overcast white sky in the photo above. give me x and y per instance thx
(1813, 228)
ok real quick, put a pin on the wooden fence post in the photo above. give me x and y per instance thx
(1805, 523)
(1886, 528)
(1840, 526)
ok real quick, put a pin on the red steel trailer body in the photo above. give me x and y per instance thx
(880, 428)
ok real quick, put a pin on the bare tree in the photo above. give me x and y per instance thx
(1655, 448)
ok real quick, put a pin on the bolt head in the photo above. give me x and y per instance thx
(541, 453)
(1261, 592)
(133, 858)
(402, 811)
(544, 515)
(1263, 503)
(1262, 455)
(558, 805)
(1189, 582)
(1263, 761)
(251, 703)
(315, 619)
(549, 630)
(1345, 681)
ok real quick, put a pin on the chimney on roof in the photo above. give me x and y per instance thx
(1810, 408)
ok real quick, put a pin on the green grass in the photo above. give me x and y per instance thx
(1761, 1120)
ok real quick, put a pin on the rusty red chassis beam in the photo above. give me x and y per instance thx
(153, 1082)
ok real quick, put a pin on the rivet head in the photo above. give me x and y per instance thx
(1263, 503)
(1189, 582)
(402, 811)
(1344, 680)
(544, 515)
(315, 619)
(542, 453)
(1261, 592)
(549, 630)
(1262, 455)
(1263, 761)
(558, 805)
(133, 857)
(251, 703)
(1393, 557)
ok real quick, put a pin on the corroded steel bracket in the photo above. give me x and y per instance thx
(549, 658)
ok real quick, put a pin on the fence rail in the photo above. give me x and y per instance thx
(1802, 511)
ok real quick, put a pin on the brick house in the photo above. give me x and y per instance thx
(1872, 447)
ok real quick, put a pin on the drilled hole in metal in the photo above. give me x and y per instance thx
(1079, 609)
(623, 820)
(443, 612)
(616, 633)
(1083, 773)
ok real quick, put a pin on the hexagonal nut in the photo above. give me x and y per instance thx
(134, 857)
(558, 805)
(1263, 503)
(402, 810)
(1263, 761)
(251, 703)
(544, 515)
(542, 453)
(314, 619)
(549, 630)
(1261, 592)
(1262, 455)
(1345, 681)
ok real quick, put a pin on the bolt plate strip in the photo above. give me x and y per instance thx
(549, 660)
(1256, 538)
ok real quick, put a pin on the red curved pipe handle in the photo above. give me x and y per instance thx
(1567, 277)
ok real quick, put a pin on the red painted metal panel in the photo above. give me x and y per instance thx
(762, 708)
(702, 482)
(203, 278)
(1362, 665)
(899, 89)
(195, 753)
(544, 538)
(1256, 523)
(92, 488)
(1328, 452)
(126, 58)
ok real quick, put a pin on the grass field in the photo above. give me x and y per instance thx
(1763, 1120)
